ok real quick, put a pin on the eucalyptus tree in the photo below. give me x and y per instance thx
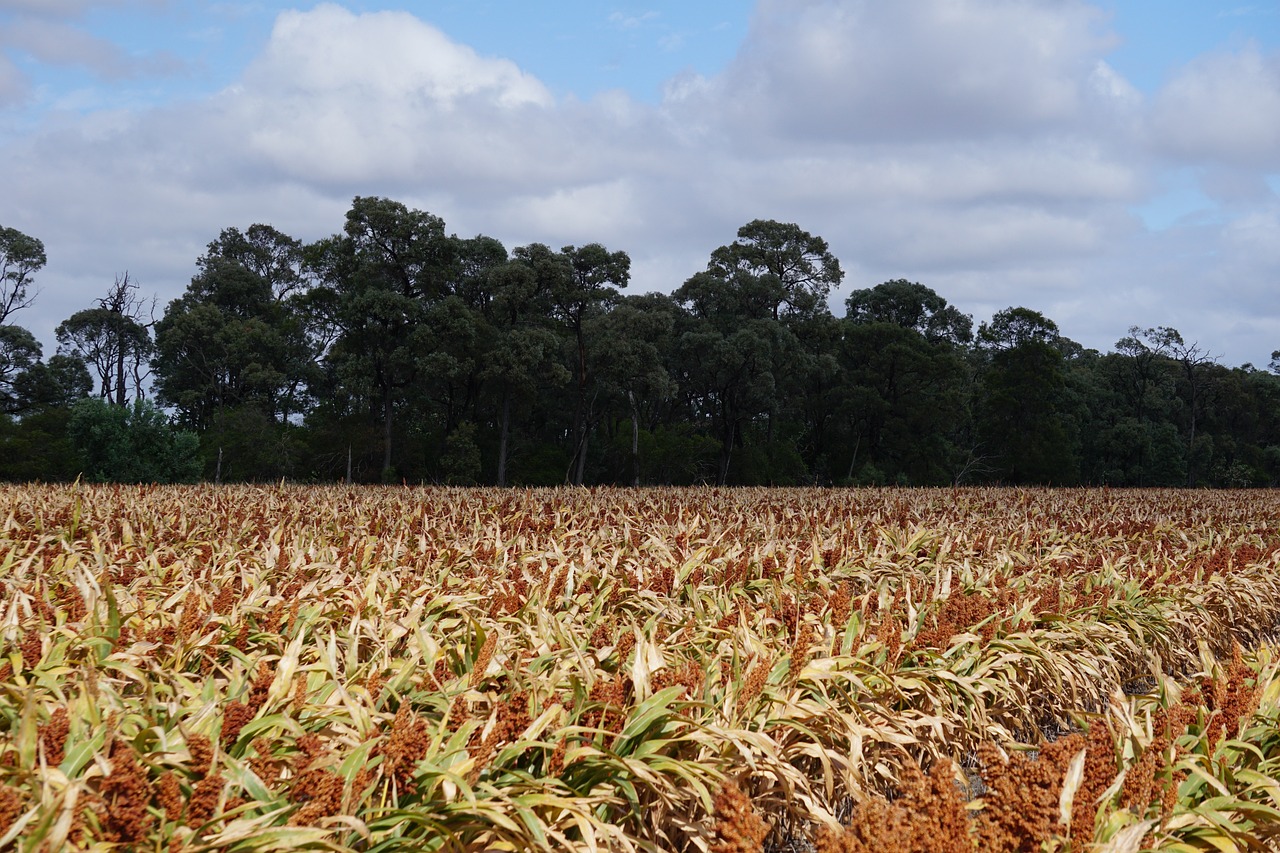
(789, 270)
(634, 340)
(1023, 408)
(379, 278)
(113, 339)
(1193, 362)
(912, 306)
(581, 282)
(19, 352)
(525, 352)
(596, 276)
(21, 257)
(906, 382)
(235, 338)
(753, 315)
(728, 344)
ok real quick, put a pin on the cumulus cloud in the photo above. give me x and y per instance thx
(862, 70)
(13, 83)
(1223, 108)
(631, 22)
(69, 8)
(342, 98)
(983, 147)
(56, 43)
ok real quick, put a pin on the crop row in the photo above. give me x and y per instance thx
(284, 667)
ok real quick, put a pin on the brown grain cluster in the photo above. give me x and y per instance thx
(510, 722)
(757, 676)
(125, 793)
(608, 703)
(1021, 804)
(1100, 769)
(1151, 780)
(317, 789)
(405, 745)
(737, 827)
(236, 715)
(927, 816)
(169, 796)
(482, 659)
(955, 614)
(205, 797)
(1232, 698)
(11, 807)
(687, 674)
(53, 737)
(32, 649)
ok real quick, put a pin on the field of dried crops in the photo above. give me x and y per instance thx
(262, 668)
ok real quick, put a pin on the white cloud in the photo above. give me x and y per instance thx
(385, 55)
(1222, 108)
(983, 147)
(631, 22)
(70, 8)
(341, 98)
(871, 71)
(601, 208)
(57, 43)
(13, 83)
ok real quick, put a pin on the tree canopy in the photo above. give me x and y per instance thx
(395, 351)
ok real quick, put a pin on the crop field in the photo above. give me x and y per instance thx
(281, 667)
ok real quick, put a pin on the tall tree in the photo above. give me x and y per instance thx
(911, 306)
(19, 352)
(234, 355)
(112, 339)
(1192, 359)
(582, 281)
(794, 271)
(1023, 409)
(21, 257)
(632, 340)
(728, 347)
(236, 337)
(525, 352)
(381, 275)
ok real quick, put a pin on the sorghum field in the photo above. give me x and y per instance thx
(270, 668)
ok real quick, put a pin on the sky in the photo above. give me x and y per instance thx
(1111, 164)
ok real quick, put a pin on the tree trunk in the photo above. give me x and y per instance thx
(573, 474)
(503, 432)
(1191, 443)
(120, 385)
(726, 454)
(580, 471)
(635, 440)
(854, 459)
(386, 433)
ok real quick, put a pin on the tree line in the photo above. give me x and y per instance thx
(394, 352)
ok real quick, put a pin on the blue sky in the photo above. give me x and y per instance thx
(1111, 163)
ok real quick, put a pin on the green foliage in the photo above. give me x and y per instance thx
(1023, 411)
(238, 336)
(244, 443)
(460, 461)
(131, 444)
(37, 447)
(19, 352)
(911, 306)
(21, 257)
(394, 351)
